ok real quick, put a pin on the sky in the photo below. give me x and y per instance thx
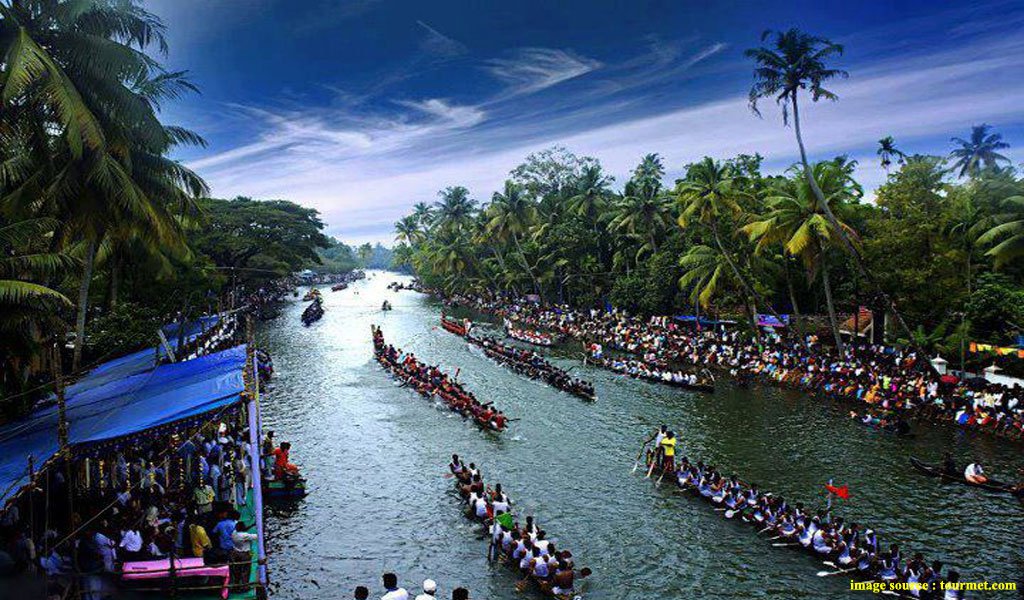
(361, 108)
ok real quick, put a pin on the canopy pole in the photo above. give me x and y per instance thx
(253, 392)
(62, 425)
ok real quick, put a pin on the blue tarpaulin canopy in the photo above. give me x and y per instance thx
(137, 362)
(102, 407)
(703, 320)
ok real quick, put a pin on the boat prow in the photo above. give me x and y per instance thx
(276, 489)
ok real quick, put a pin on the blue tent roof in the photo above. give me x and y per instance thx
(102, 407)
(136, 362)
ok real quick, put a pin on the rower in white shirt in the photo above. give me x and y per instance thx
(974, 473)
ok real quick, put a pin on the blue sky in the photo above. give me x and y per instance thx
(362, 108)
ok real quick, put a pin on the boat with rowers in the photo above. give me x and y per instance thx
(530, 364)
(313, 312)
(525, 548)
(655, 372)
(853, 553)
(430, 382)
(312, 294)
(339, 287)
(528, 336)
(957, 476)
(886, 422)
(453, 326)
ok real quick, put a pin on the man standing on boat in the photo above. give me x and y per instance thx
(668, 452)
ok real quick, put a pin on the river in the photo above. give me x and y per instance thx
(375, 453)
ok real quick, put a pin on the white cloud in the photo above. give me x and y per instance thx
(364, 172)
(531, 70)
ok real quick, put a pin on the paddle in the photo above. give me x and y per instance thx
(834, 573)
(785, 544)
(651, 470)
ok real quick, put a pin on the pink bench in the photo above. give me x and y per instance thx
(183, 567)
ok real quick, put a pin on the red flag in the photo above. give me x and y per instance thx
(841, 491)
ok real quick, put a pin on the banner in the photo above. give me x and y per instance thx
(1001, 351)
(772, 321)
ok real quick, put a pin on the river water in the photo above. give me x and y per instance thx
(375, 453)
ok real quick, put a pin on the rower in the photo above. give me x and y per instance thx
(656, 438)
(949, 465)
(456, 465)
(668, 451)
(974, 473)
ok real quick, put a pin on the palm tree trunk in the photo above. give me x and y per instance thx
(796, 308)
(115, 283)
(751, 293)
(831, 307)
(526, 265)
(83, 304)
(847, 244)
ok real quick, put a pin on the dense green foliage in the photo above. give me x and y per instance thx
(102, 235)
(735, 241)
(264, 239)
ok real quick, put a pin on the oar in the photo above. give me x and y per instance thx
(834, 573)
(651, 470)
(639, 455)
(785, 544)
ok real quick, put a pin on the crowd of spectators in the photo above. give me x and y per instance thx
(177, 494)
(393, 591)
(884, 376)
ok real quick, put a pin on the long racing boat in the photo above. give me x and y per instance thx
(430, 382)
(532, 365)
(523, 548)
(649, 375)
(453, 326)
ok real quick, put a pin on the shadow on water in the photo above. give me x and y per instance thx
(375, 453)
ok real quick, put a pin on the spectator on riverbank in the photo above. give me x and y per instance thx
(429, 590)
(891, 378)
(394, 592)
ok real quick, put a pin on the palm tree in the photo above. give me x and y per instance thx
(795, 61)
(81, 96)
(795, 221)
(423, 214)
(591, 195)
(705, 271)
(798, 61)
(455, 209)
(511, 215)
(644, 211)
(407, 229)
(1010, 229)
(708, 195)
(26, 304)
(887, 151)
(978, 153)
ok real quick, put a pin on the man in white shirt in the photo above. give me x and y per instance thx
(974, 473)
(131, 543)
(429, 590)
(393, 591)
